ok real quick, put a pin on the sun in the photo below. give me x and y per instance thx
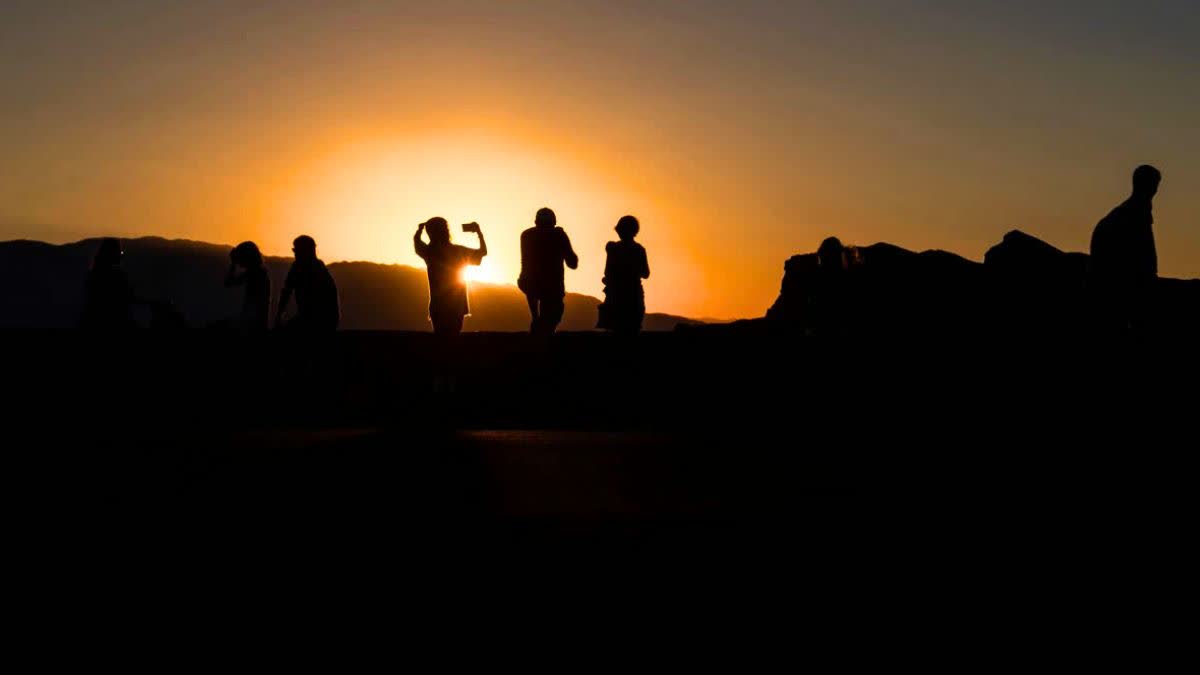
(363, 201)
(485, 273)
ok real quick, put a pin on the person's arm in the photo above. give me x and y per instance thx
(1151, 250)
(420, 246)
(569, 256)
(523, 278)
(645, 270)
(478, 254)
(336, 300)
(482, 244)
(284, 297)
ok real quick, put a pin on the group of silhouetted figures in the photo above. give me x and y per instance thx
(1123, 270)
(545, 249)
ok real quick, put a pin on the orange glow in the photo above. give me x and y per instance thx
(486, 273)
(365, 200)
(738, 135)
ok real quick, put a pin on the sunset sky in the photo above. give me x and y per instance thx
(739, 133)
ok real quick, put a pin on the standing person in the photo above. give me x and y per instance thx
(317, 308)
(624, 305)
(544, 249)
(445, 262)
(1124, 261)
(109, 297)
(256, 305)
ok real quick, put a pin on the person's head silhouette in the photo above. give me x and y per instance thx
(304, 247)
(109, 254)
(545, 219)
(628, 228)
(439, 230)
(831, 255)
(1145, 181)
(247, 255)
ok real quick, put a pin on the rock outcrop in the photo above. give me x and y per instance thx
(1023, 286)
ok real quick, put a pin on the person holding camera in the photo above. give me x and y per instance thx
(445, 262)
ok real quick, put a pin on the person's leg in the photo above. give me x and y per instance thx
(452, 338)
(628, 325)
(533, 313)
(447, 327)
(552, 314)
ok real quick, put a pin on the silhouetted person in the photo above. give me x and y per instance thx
(317, 308)
(624, 305)
(832, 293)
(1124, 263)
(445, 262)
(544, 249)
(256, 305)
(109, 297)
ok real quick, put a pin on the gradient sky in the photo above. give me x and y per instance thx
(740, 133)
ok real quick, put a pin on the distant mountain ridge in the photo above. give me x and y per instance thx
(41, 286)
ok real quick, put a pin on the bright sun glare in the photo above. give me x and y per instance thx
(486, 273)
(363, 202)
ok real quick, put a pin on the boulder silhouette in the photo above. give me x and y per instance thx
(881, 288)
(1036, 286)
(1177, 309)
(794, 304)
(1024, 286)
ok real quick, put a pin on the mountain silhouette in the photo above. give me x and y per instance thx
(41, 286)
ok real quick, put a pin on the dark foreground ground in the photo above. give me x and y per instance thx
(588, 438)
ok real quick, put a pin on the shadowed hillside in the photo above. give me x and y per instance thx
(43, 288)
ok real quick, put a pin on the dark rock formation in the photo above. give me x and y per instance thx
(1035, 286)
(880, 288)
(1024, 286)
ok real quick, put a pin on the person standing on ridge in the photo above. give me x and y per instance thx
(317, 307)
(1124, 261)
(624, 306)
(445, 262)
(108, 297)
(545, 247)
